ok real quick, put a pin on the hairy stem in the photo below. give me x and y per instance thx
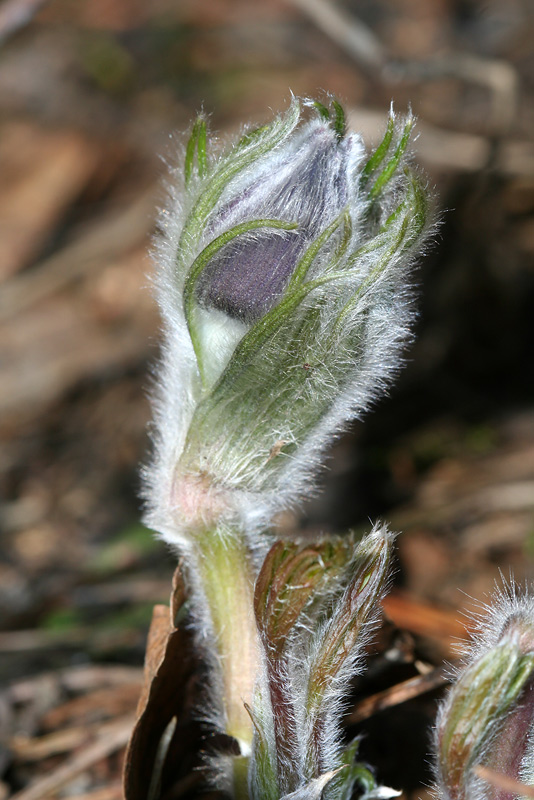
(228, 582)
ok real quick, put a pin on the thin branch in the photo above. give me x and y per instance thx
(112, 738)
(501, 781)
(347, 31)
(15, 14)
(398, 694)
(359, 41)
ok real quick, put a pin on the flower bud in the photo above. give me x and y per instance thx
(486, 724)
(281, 273)
(306, 186)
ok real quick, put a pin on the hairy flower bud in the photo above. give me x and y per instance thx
(306, 185)
(282, 270)
(485, 728)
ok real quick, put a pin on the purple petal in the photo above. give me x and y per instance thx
(248, 276)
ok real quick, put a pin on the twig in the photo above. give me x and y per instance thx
(424, 619)
(504, 782)
(34, 749)
(112, 738)
(111, 700)
(347, 31)
(15, 14)
(28, 640)
(350, 33)
(497, 75)
(399, 693)
(75, 679)
(111, 792)
(109, 237)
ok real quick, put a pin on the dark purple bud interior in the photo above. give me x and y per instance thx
(247, 279)
(248, 276)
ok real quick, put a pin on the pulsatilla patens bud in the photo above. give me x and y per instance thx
(281, 273)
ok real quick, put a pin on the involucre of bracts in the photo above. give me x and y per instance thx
(281, 273)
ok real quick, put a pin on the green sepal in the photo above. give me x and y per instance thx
(400, 231)
(301, 270)
(296, 292)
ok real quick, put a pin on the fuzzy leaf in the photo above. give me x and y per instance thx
(288, 580)
(357, 606)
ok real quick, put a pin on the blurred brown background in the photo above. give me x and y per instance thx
(91, 95)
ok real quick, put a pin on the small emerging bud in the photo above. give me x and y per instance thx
(338, 645)
(486, 723)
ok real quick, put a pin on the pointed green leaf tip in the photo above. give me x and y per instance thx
(353, 773)
(392, 164)
(312, 790)
(354, 610)
(196, 146)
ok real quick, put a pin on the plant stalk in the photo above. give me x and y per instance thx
(228, 583)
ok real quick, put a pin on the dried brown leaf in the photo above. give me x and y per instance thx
(169, 669)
